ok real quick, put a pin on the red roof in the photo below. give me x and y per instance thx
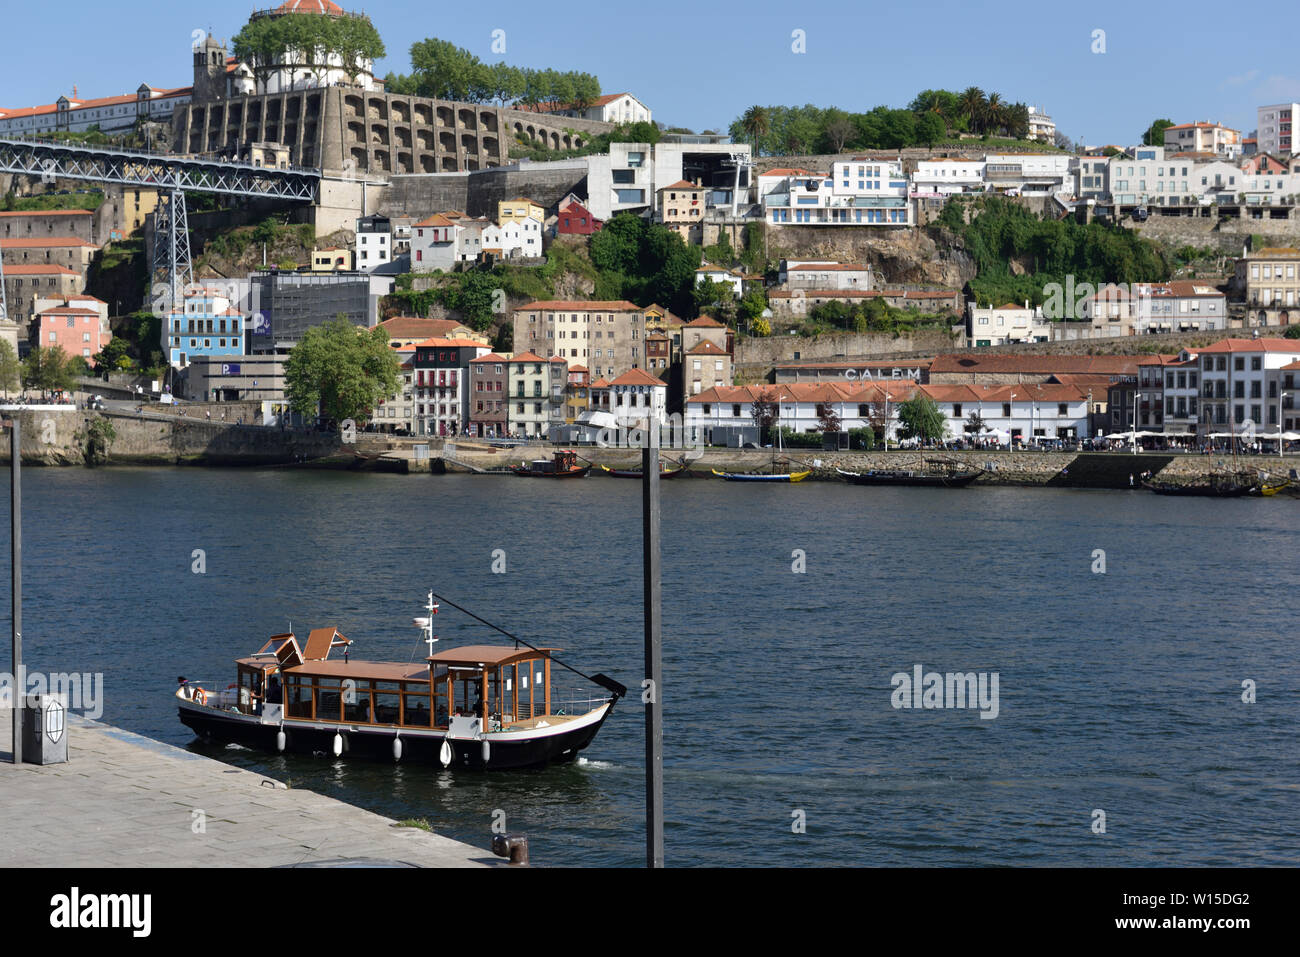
(528, 357)
(441, 343)
(310, 6)
(581, 305)
(49, 212)
(490, 357)
(705, 347)
(555, 107)
(1253, 345)
(637, 377)
(44, 269)
(705, 322)
(1032, 365)
(408, 327)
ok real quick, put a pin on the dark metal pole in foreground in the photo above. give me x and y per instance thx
(16, 520)
(654, 727)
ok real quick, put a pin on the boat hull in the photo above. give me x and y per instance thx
(508, 751)
(1210, 491)
(756, 477)
(636, 474)
(958, 480)
(570, 473)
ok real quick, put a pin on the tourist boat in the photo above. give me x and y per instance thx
(483, 707)
(945, 476)
(637, 473)
(763, 476)
(564, 464)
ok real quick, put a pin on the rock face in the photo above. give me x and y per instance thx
(899, 256)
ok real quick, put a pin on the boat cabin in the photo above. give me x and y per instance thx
(564, 460)
(467, 689)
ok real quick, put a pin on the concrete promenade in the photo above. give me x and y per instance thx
(123, 800)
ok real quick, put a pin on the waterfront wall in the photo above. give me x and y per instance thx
(60, 438)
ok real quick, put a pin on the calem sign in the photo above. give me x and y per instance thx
(893, 372)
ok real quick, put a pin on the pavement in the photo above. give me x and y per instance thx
(123, 800)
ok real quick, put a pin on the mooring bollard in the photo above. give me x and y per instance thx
(513, 846)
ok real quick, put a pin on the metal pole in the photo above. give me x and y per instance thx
(654, 729)
(16, 559)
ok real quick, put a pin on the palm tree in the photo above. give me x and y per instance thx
(756, 124)
(994, 113)
(971, 105)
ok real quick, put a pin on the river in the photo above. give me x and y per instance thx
(1118, 692)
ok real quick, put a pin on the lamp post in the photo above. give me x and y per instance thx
(1011, 413)
(1280, 396)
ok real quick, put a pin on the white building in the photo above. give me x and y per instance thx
(444, 239)
(374, 242)
(1203, 138)
(1274, 133)
(1041, 126)
(944, 177)
(630, 175)
(513, 238)
(618, 108)
(1243, 379)
(109, 113)
(1029, 173)
(858, 192)
(1153, 178)
(1048, 411)
(825, 274)
(638, 400)
(1008, 323)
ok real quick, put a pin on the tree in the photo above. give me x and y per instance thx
(828, 421)
(341, 371)
(755, 124)
(1155, 134)
(112, 355)
(970, 104)
(764, 411)
(920, 418)
(11, 370)
(975, 424)
(48, 369)
(930, 128)
(266, 41)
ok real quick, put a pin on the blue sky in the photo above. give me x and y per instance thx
(700, 66)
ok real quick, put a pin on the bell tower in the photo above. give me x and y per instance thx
(209, 69)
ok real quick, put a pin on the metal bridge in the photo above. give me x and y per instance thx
(50, 161)
(172, 176)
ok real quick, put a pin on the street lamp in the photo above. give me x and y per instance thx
(1011, 412)
(1280, 396)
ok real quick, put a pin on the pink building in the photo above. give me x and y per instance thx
(77, 330)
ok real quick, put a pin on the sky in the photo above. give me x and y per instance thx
(701, 64)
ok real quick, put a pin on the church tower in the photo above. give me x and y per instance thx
(209, 70)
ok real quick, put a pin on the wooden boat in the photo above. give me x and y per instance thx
(1269, 489)
(929, 478)
(1217, 487)
(564, 464)
(762, 476)
(636, 473)
(296, 698)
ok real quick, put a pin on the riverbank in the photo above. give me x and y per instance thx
(123, 800)
(63, 437)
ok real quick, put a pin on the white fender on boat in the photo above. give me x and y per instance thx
(397, 749)
(338, 744)
(279, 740)
(444, 755)
(487, 750)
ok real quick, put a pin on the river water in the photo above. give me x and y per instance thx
(1118, 692)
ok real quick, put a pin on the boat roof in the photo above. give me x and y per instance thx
(485, 656)
(364, 670)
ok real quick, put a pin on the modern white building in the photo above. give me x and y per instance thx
(374, 242)
(1274, 130)
(1028, 173)
(1041, 126)
(630, 175)
(944, 177)
(858, 192)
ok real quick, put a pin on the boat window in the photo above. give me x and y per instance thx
(387, 702)
(298, 697)
(329, 699)
(356, 701)
(416, 708)
(440, 708)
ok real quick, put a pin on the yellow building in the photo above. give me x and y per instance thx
(517, 210)
(332, 259)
